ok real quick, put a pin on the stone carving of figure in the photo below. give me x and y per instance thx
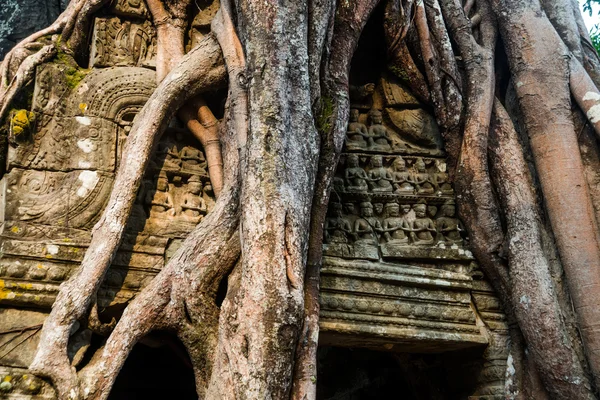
(167, 151)
(349, 209)
(378, 138)
(420, 178)
(441, 180)
(193, 205)
(379, 177)
(401, 177)
(378, 207)
(337, 228)
(423, 229)
(356, 177)
(161, 201)
(367, 225)
(362, 96)
(394, 227)
(448, 225)
(357, 132)
(193, 159)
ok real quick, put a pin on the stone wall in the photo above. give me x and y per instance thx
(20, 18)
(397, 276)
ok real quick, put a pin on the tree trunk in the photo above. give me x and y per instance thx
(272, 160)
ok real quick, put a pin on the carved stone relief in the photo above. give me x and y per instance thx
(121, 42)
(397, 273)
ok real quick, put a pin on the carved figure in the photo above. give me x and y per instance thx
(367, 225)
(357, 132)
(362, 96)
(161, 200)
(378, 138)
(441, 180)
(394, 227)
(193, 159)
(448, 225)
(337, 228)
(420, 178)
(167, 151)
(401, 177)
(356, 177)
(380, 178)
(193, 205)
(378, 207)
(423, 229)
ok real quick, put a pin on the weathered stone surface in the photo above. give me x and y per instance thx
(117, 42)
(20, 18)
(397, 275)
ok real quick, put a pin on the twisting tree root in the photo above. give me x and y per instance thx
(353, 19)
(182, 296)
(201, 69)
(275, 93)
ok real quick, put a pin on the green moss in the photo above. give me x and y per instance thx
(399, 72)
(73, 76)
(73, 73)
(324, 118)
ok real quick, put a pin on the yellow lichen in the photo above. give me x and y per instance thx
(21, 122)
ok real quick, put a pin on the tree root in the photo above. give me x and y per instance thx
(202, 69)
(397, 20)
(549, 124)
(533, 293)
(181, 297)
(20, 63)
(204, 126)
(585, 93)
(233, 53)
(24, 74)
(305, 373)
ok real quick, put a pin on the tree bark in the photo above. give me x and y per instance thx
(77, 294)
(539, 63)
(284, 129)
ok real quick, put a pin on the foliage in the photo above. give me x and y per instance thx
(595, 30)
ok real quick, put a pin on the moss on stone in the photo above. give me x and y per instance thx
(325, 116)
(73, 73)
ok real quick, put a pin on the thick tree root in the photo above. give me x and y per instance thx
(202, 69)
(353, 19)
(181, 297)
(24, 74)
(585, 93)
(549, 124)
(533, 293)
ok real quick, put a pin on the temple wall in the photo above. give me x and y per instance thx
(397, 275)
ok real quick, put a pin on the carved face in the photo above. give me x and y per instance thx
(353, 115)
(441, 166)
(376, 161)
(336, 210)
(376, 117)
(378, 208)
(399, 164)
(353, 161)
(405, 208)
(449, 210)
(393, 209)
(349, 208)
(420, 164)
(420, 210)
(366, 210)
(195, 187)
(162, 184)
